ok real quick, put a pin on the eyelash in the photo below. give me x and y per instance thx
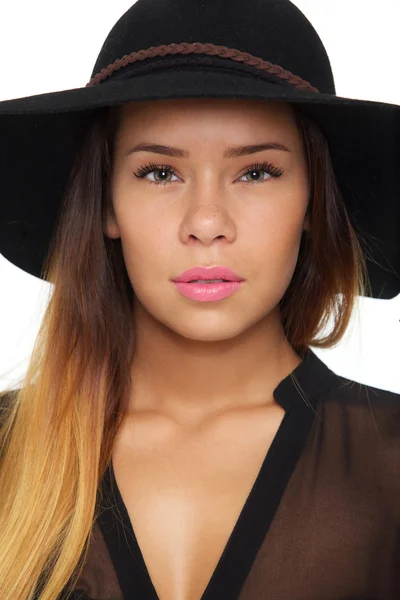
(263, 166)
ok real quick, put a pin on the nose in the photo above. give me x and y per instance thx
(207, 221)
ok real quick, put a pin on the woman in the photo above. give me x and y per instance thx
(175, 438)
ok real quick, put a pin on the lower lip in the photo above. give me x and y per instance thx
(208, 292)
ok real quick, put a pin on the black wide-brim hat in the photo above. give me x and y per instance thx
(264, 49)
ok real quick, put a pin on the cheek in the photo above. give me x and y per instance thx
(148, 248)
(273, 247)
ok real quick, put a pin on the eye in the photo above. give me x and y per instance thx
(167, 169)
(267, 168)
(151, 168)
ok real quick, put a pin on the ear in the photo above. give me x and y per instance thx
(111, 228)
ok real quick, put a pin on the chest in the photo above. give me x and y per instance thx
(184, 493)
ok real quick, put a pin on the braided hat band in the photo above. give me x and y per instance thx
(261, 49)
(186, 48)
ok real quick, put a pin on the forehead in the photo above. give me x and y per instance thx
(198, 112)
(238, 119)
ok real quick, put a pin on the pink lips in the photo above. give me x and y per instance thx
(208, 292)
(208, 273)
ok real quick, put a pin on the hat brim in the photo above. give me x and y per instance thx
(41, 133)
(172, 83)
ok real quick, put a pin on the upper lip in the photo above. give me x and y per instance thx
(208, 273)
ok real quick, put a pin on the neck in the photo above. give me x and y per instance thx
(174, 375)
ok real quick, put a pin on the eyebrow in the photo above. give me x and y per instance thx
(229, 152)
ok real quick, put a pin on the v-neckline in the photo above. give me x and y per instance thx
(255, 516)
(247, 534)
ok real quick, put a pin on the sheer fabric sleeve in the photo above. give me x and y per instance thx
(98, 580)
(336, 533)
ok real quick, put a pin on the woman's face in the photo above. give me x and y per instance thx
(208, 209)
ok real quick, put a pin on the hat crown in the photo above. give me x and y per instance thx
(273, 30)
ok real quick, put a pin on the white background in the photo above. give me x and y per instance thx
(51, 46)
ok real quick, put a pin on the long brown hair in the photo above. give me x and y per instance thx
(58, 429)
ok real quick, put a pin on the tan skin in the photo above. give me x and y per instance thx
(202, 414)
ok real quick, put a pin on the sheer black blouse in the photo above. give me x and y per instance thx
(322, 521)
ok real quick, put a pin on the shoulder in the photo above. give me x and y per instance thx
(366, 419)
(7, 397)
(6, 400)
(368, 410)
(361, 427)
(357, 396)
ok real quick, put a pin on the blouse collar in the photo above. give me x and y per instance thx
(302, 386)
